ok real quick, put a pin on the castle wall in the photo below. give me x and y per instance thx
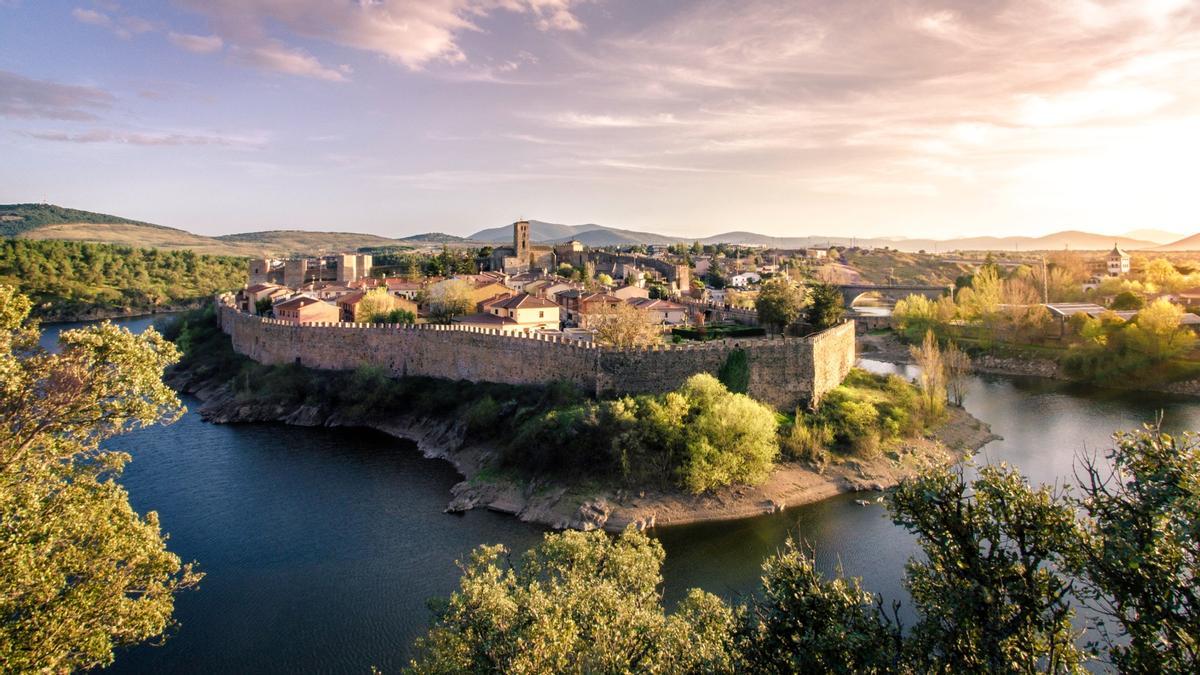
(783, 371)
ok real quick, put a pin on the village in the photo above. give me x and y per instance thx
(566, 290)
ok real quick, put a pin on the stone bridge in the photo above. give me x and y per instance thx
(892, 292)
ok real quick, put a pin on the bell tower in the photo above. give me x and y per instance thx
(521, 241)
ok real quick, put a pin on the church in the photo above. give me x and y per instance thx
(522, 256)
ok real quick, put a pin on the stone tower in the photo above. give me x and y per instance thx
(521, 241)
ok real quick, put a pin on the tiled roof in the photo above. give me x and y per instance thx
(483, 318)
(298, 302)
(524, 301)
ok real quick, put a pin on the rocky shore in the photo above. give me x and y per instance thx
(589, 506)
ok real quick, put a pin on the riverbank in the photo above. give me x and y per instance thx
(100, 314)
(590, 505)
(890, 349)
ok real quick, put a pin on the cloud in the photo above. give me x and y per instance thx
(24, 97)
(280, 58)
(413, 34)
(123, 27)
(147, 139)
(197, 44)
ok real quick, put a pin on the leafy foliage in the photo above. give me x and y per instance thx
(1142, 555)
(578, 602)
(779, 302)
(66, 279)
(803, 623)
(825, 306)
(735, 372)
(81, 573)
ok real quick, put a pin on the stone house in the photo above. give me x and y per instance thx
(662, 312)
(252, 294)
(630, 292)
(304, 309)
(744, 279)
(1118, 262)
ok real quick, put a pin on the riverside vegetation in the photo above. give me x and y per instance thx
(998, 314)
(1004, 566)
(704, 435)
(81, 572)
(71, 280)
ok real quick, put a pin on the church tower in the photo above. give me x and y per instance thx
(521, 241)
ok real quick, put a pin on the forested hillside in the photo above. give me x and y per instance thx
(18, 218)
(69, 280)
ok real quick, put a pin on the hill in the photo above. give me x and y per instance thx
(599, 235)
(50, 222)
(1191, 243)
(288, 242)
(16, 219)
(1156, 236)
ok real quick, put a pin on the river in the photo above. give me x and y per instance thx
(322, 546)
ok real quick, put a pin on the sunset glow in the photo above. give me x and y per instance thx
(930, 119)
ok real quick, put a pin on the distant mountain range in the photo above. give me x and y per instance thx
(47, 221)
(600, 235)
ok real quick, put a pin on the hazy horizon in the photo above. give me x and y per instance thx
(905, 119)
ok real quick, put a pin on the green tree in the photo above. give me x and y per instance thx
(1158, 333)
(825, 306)
(779, 302)
(1142, 558)
(578, 602)
(989, 591)
(81, 573)
(802, 623)
(448, 299)
(735, 372)
(263, 307)
(729, 438)
(1126, 300)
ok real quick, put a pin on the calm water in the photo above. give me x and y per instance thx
(322, 546)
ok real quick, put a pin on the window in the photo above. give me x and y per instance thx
(541, 315)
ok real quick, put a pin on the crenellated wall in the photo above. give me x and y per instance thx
(783, 371)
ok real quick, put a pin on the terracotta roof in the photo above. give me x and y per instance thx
(298, 302)
(660, 305)
(257, 288)
(524, 301)
(483, 318)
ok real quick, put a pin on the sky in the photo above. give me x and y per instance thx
(841, 117)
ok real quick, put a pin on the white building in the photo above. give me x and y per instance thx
(744, 279)
(1118, 262)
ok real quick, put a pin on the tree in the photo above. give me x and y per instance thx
(1126, 300)
(825, 306)
(578, 602)
(1158, 333)
(932, 380)
(802, 623)
(374, 306)
(957, 367)
(990, 593)
(263, 307)
(450, 298)
(1142, 558)
(779, 302)
(623, 325)
(604, 279)
(81, 573)
(728, 438)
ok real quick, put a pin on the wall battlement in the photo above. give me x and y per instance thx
(783, 371)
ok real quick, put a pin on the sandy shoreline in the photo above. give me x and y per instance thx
(561, 505)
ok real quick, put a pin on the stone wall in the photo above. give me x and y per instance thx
(783, 371)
